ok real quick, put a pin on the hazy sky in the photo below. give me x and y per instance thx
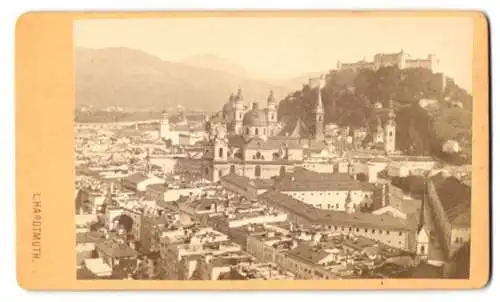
(284, 48)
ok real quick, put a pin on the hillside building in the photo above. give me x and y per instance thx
(401, 59)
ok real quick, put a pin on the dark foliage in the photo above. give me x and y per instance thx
(349, 98)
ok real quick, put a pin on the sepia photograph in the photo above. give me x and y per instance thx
(273, 148)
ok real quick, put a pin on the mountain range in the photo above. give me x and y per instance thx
(132, 78)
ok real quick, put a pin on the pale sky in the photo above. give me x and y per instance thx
(284, 48)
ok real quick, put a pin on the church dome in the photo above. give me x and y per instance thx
(255, 117)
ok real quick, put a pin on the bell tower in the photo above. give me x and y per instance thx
(164, 125)
(390, 131)
(239, 111)
(272, 114)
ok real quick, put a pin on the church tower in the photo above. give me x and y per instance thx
(272, 113)
(319, 113)
(390, 131)
(164, 126)
(239, 111)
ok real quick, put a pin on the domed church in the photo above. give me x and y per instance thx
(241, 119)
(249, 141)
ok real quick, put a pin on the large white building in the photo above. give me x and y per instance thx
(330, 191)
(250, 142)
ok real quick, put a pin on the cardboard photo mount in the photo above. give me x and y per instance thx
(45, 103)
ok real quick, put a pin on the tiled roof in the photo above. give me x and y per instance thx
(239, 180)
(455, 198)
(116, 249)
(89, 237)
(273, 143)
(297, 130)
(326, 217)
(136, 178)
(244, 182)
(307, 253)
(305, 180)
(157, 187)
(263, 183)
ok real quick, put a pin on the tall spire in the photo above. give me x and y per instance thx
(319, 112)
(319, 103)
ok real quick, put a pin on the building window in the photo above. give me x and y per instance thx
(390, 133)
(400, 233)
(380, 231)
(220, 173)
(366, 230)
(388, 232)
(357, 229)
(257, 171)
(337, 206)
(350, 229)
(256, 131)
(233, 169)
(265, 131)
(282, 171)
(241, 115)
(272, 116)
(373, 231)
(422, 249)
(221, 152)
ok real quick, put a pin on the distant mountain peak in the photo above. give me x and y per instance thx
(126, 77)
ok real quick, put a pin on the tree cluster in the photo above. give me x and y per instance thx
(349, 99)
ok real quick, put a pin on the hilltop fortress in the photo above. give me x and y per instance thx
(401, 59)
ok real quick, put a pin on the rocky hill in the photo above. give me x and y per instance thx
(349, 98)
